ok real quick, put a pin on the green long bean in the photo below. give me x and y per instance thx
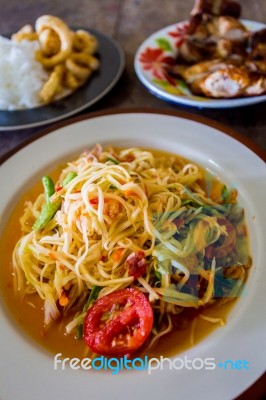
(70, 176)
(49, 209)
(47, 213)
(48, 186)
(93, 296)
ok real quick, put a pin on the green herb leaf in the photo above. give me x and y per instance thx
(112, 160)
(70, 176)
(93, 296)
(164, 44)
(79, 333)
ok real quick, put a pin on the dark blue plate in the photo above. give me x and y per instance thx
(112, 63)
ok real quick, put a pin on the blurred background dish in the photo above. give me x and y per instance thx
(112, 62)
(155, 57)
(204, 142)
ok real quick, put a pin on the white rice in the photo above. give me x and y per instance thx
(21, 76)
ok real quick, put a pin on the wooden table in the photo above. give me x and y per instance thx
(130, 22)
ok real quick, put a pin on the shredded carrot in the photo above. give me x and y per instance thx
(63, 300)
(95, 201)
(145, 189)
(118, 254)
(62, 267)
(131, 193)
(53, 256)
(216, 190)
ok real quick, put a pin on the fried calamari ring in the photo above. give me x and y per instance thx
(71, 82)
(65, 35)
(50, 42)
(25, 33)
(79, 71)
(86, 60)
(54, 85)
(81, 65)
(84, 42)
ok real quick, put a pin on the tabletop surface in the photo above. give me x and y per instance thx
(130, 22)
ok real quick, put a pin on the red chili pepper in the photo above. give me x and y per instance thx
(178, 222)
(130, 158)
(136, 264)
(94, 201)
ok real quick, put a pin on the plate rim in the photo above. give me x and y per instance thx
(260, 152)
(207, 103)
(122, 62)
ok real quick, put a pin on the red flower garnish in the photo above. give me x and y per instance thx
(157, 62)
(179, 34)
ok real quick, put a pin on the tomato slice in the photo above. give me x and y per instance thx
(228, 244)
(118, 323)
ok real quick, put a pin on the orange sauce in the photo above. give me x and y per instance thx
(28, 312)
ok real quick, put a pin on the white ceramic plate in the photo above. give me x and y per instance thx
(26, 371)
(112, 63)
(155, 53)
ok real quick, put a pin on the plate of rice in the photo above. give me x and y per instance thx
(22, 77)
